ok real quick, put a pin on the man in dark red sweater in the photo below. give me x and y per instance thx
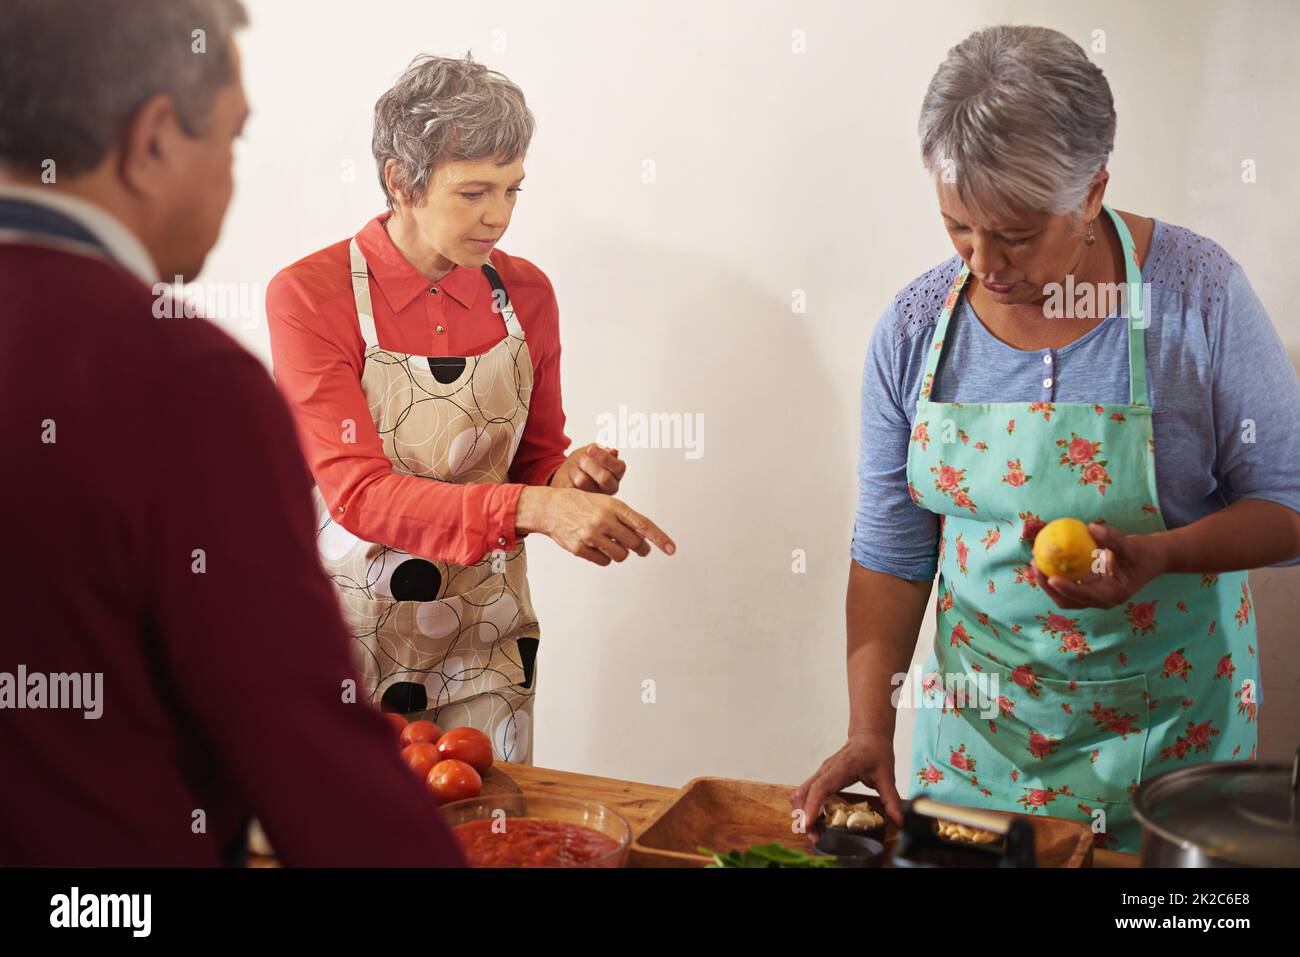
(172, 661)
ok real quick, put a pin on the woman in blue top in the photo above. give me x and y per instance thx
(1070, 360)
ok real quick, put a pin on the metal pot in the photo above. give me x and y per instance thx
(1228, 814)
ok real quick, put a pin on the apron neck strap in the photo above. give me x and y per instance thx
(361, 293)
(1132, 311)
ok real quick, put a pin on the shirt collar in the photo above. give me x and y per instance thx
(119, 242)
(400, 282)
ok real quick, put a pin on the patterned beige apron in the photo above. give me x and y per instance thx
(432, 634)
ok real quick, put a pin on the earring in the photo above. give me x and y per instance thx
(1088, 237)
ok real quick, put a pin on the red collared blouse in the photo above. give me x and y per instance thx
(318, 355)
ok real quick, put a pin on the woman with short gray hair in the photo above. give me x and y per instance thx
(422, 364)
(1100, 371)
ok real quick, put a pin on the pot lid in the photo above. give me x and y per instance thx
(1239, 812)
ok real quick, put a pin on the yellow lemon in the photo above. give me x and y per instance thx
(1064, 547)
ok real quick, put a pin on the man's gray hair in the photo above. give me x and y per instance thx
(443, 109)
(1017, 118)
(73, 72)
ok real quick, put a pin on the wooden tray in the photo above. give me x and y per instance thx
(725, 814)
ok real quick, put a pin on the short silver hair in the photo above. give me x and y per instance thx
(443, 109)
(1017, 118)
(73, 72)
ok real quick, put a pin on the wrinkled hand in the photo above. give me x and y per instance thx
(590, 525)
(592, 468)
(867, 757)
(1130, 562)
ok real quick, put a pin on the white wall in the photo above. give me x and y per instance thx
(776, 171)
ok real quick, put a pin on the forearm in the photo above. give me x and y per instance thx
(1251, 533)
(441, 521)
(883, 615)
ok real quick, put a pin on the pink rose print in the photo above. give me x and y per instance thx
(1207, 581)
(1011, 426)
(1035, 798)
(1142, 616)
(959, 759)
(949, 480)
(1024, 676)
(1118, 417)
(983, 618)
(1182, 606)
(1006, 706)
(925, 386)
(922, 434)
(953, 293)
(1041, 746)
(1026, 575)
(1196, 738)
(929, 774)
(945, 600)
(1242, 614)
(982, 446)
(913, 493)
(1226, 668)
(959, 635)
(992, 588)
(1055, 624)
(1033, 525)
(1074, 643)
(1176, 665)
(1044, 407)
(990, 538)
(1098, 409)
(1114, 722)
(1095, 474)
(965, 439)
(1082, 453)
(1016, 475)
(963, 552)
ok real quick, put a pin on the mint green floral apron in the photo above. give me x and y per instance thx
(1078, 706)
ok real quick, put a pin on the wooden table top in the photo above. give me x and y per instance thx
(638, 802)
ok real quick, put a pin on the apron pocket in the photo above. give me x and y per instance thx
(1066, 739)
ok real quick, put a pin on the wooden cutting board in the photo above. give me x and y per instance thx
(723, 814)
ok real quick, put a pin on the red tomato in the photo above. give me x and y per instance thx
(420, 757)
(469, 745)
(418, 731)
(396, 720)
(453, 781)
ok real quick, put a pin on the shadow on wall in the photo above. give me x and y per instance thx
(725, 620)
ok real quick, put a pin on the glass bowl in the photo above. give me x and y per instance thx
(597, 817)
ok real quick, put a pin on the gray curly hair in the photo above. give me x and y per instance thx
(1018, 118)
(443, 109)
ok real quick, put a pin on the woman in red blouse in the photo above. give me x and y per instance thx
(423, 368)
